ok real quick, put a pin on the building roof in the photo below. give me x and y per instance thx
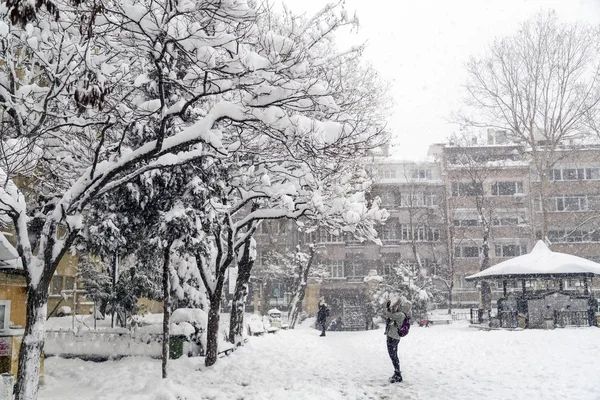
(540, 263)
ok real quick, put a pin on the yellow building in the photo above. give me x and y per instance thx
(13, 298)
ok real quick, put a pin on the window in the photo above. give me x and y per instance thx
(57, 284)
(556, 175)
(4, 315)
(571, 203)
(69, 282)
(573, 235)
(322, 235)
(572, 174)
(466, 251)
(507, 188)
(389, 234)
(564, 203)
(353, 268)
(277, 290)
(505, 221)
(592, 173)
(388, 200)
(467, 189)
(573, 283)
(420, 199)
(352, 240)
(389, 173)
(327, 237)
(431, 200)
(336, 268)
(510, 250)
(433, 235)
(466, 222)
(421, 174)
(387, 268)
(419, 233)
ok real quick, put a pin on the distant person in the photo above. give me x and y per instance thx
(322, 315)
(395, 312)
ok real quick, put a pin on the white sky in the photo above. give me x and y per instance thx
(421, 46)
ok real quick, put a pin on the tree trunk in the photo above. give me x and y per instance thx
(33, 343)
(236, 320)
(212, 330)
(265, 296)
(450, 298)
(115, 276)
(166, 309)
(298, 297)
(486, 292)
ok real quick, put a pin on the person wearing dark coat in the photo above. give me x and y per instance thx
(322, 315)
(394, 313)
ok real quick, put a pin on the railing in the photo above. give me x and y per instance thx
(478, 315)
(571, 318)
(508, 319)
(460, 316)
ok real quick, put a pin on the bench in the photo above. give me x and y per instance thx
(425, 322)
(440, 321)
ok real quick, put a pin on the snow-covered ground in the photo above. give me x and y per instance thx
(441, 362)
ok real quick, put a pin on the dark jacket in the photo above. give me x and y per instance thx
(323, 313)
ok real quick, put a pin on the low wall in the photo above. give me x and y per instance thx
(102, 344)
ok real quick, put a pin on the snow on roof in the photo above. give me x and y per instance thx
(540, 262)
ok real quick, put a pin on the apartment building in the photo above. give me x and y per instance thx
(488, 196)
(568, 207)
(440, 209)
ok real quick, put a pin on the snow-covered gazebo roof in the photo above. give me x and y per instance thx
(540, 263)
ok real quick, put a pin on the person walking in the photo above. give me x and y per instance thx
(395, 312)
(322, 315)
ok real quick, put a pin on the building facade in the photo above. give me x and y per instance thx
(443, 211)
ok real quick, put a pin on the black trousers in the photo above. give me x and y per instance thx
(392, 346)
(323, 325)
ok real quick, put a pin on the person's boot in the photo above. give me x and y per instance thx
(396, 378)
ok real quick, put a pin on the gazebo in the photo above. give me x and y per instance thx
(552, 303)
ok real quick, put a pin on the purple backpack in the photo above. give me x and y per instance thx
(404, 328)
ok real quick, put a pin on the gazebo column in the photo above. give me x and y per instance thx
(586, 289)
(523, 285)
(504, 284)
(561, 286)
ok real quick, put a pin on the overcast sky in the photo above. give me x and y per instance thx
(421, 46)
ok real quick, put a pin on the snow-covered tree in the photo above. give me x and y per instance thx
(541, 86)
(304, 262)
(107, 94)
(404, 280)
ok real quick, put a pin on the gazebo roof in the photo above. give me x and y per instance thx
(540, 263)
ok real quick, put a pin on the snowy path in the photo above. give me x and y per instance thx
(441, 362)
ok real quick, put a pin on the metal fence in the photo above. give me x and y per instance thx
(461, 316)
(571, 318)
